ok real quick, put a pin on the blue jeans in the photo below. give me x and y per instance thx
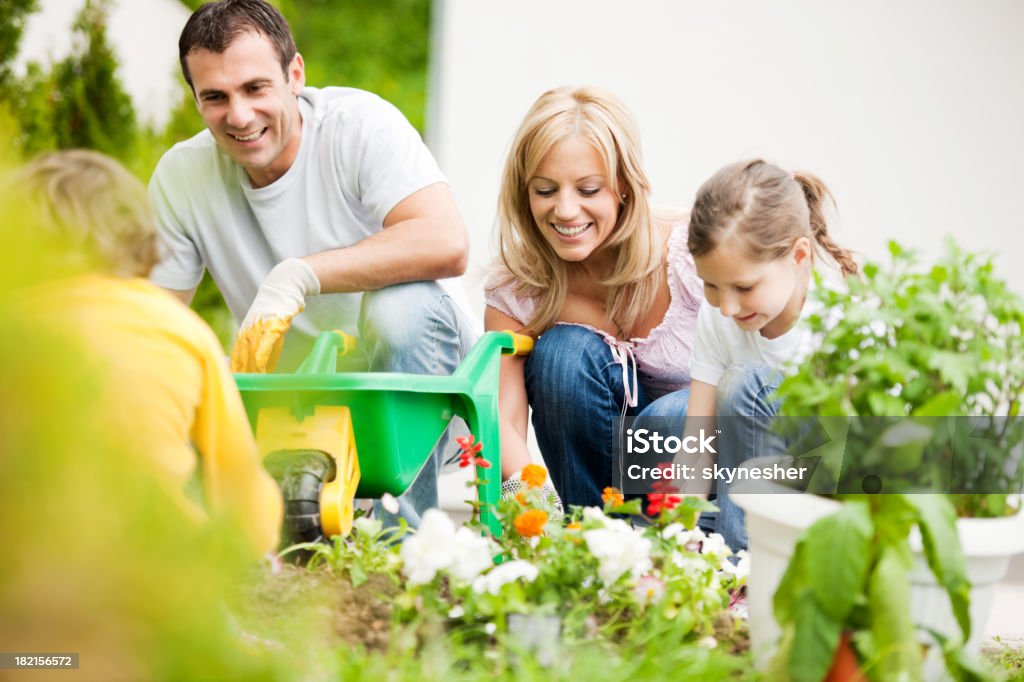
(576, 391)
(745, 409)
(415, 328)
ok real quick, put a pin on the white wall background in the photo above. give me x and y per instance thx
(144, 36)
(912, 111)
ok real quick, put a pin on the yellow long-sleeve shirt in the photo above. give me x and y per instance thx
(166, 388)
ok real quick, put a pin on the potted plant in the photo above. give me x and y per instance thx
(916, 387)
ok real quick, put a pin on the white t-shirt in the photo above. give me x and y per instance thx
(358, 158)
(721, 343)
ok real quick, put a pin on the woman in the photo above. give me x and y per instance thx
(602, 281)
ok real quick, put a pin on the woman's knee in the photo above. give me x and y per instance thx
(564, 355)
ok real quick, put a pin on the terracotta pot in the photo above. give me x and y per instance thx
(845, 667)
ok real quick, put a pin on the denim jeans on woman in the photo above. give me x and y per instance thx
(575, 387)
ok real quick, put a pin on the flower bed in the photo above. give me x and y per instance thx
(562, 595)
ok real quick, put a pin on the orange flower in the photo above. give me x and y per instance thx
(613, 497)
(575, 525)
(521, 498)
(533, 475)
(531, 523)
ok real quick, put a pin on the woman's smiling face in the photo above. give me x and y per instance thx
(572, 199)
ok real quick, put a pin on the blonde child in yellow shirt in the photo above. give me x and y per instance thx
(165, 386)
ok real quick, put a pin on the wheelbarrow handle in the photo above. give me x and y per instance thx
(327, 348)
(521, 343)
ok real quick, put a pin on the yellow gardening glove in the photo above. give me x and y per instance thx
(281, 297)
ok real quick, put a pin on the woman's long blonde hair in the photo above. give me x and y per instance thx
(635, 245)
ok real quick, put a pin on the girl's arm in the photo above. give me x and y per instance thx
(513, 409)
(700, 414)
(702, 400)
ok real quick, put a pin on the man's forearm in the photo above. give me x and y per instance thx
(413, 250)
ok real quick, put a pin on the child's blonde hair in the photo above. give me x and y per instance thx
(95, 209)
(636, 246)
(766, 209)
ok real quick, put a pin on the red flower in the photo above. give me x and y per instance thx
(470, 451)
(466, 443)
(658, 502)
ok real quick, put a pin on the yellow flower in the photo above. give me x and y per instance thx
(533, 475)
(531, 523)
(575, 525)
(613, 497)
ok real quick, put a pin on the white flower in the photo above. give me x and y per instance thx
(672, 530)
(503, 574)
(743, 565)
(708, 642)
(595, 514)
(649, 590)
(472, 554)
(689, 563)
(437, 546)
(714, 545)
(878, 328)
(389, 503)
(456, 611)
(691, 540)
(366, 526)
(490, 628)
(619, 549)
(429, 550)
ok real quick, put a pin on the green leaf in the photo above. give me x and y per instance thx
(357, 574)
(840, 545)
(792, 585)
(940, 405)
(815, 640)
(899, 655)
(937, 520)
(954, 368)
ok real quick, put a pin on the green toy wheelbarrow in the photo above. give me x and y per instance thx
(308, 425)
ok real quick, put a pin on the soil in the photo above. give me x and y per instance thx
(272, 607)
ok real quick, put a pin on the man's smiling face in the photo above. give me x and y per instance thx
(249, 104)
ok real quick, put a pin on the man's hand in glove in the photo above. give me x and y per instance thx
(281, 297)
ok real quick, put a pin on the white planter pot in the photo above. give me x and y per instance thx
(775, 521)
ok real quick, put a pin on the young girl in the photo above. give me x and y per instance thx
(755, 231)
(602, 280)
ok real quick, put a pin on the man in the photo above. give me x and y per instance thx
(301, 199)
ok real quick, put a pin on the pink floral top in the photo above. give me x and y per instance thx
(663, 357)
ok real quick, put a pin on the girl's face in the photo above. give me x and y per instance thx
(764, 296)
(571, 199)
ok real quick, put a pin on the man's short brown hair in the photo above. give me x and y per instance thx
(215, 25)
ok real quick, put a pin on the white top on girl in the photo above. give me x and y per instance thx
(721, 343)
